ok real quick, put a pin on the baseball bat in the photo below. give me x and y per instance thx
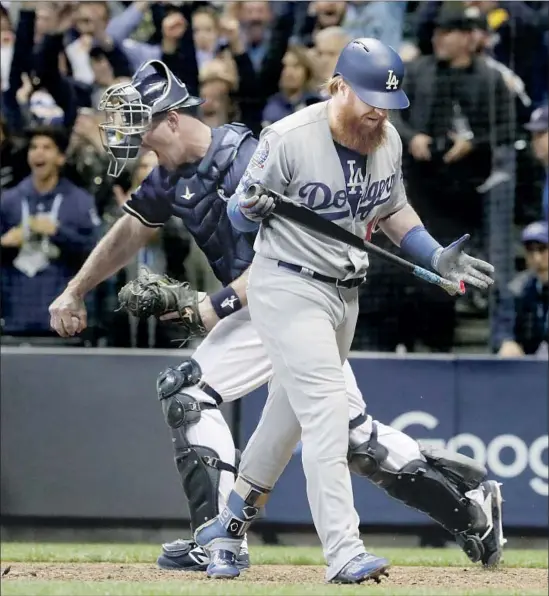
(308, 218)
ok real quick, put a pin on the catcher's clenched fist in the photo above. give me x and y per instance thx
(153, 295)
(68, 314)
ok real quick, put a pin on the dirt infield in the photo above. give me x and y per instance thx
(466, 578)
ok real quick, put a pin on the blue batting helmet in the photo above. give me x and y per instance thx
(374, 71)
(130, 109)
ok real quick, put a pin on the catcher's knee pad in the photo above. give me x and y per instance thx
(178, 407)
(435, 486)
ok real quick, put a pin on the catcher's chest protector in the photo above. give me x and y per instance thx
(200, 201)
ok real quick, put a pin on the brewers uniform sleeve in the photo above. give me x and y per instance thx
(151, 204)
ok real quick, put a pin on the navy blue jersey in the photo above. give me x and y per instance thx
(198, 194)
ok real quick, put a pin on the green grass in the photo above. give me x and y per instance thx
(261, 555)
(26, 553)
(40, 588)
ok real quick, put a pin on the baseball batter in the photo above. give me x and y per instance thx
(342, 159)
(198, 168)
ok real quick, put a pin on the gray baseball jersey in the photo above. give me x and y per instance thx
(297, 157)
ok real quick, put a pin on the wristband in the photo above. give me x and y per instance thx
(225, 302)
(238, 219)
(420, 245)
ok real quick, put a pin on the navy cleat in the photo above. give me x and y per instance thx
(186, 555)
(486, 546)
(222, 565)
(361, 568)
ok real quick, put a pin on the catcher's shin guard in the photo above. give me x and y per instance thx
(436, 485)
(199, 467)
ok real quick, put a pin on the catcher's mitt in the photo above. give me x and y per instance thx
(153, 295)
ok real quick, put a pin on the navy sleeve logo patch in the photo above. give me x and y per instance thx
(261, 155)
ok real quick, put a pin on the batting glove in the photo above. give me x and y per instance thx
(257, 207)
(454, 264)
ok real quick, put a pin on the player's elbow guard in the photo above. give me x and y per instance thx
(238, 219)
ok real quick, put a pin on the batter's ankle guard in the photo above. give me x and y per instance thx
(243, 506)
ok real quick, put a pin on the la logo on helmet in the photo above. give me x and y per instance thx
(392, 81)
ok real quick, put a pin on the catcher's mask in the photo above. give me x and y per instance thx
(131, 108)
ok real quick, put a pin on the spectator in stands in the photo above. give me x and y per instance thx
(7, 39)
(206, 34)
(39, 66)
(521, 322)
(13, 162)
(175, 44)
(381, 20)
(48, 227)
(86, 160)
(103, 74)
(95, 31)
(217, 82)
(321, 15)
(510, 22)
(459, 106)
(257, 86)
(256, 18)
(482, 39)
(328, 14)
(229, 83)
(296, 86)
(328, 45)
(517, 38)
(539, 127)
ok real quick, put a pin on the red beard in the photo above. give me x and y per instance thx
(353, 133)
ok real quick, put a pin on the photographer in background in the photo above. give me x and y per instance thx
(521, 322)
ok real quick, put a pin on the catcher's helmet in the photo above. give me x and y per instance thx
(374, 71)
(131, 107)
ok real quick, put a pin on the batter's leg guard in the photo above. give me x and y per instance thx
(222, 537)
(448, 487)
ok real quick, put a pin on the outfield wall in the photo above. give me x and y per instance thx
(83, 436)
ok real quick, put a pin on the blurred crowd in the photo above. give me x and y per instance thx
(477, 127)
